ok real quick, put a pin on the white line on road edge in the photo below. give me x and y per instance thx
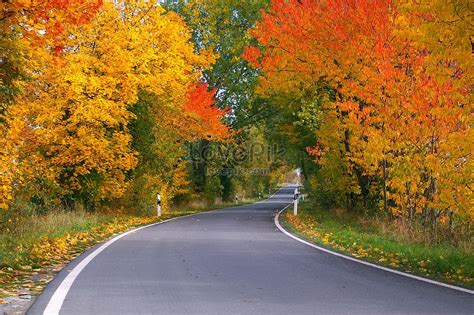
(56, 301)
(277, 223)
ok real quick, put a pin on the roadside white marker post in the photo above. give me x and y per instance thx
(236, 200)
(295, 202)
(158, 205)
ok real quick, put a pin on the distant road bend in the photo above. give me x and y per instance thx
(235, 261)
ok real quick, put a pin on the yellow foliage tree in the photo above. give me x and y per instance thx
(67, 134)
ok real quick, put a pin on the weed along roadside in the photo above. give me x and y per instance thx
(369, 239)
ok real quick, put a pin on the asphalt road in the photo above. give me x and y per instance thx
(235, 261)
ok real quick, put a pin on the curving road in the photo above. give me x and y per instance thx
(235, 261)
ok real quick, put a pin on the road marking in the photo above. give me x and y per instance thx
(57, 299)
(277, 223)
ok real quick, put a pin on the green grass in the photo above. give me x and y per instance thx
(26, 231)
(384, 242)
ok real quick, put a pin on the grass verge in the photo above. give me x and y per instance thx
(36, 248)
(368, 239)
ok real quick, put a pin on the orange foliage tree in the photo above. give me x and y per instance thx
(43, 19)
(401, 104)
(205, 118)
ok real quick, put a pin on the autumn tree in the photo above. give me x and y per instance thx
(23, 24)
(68, 138)
(398, 104)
